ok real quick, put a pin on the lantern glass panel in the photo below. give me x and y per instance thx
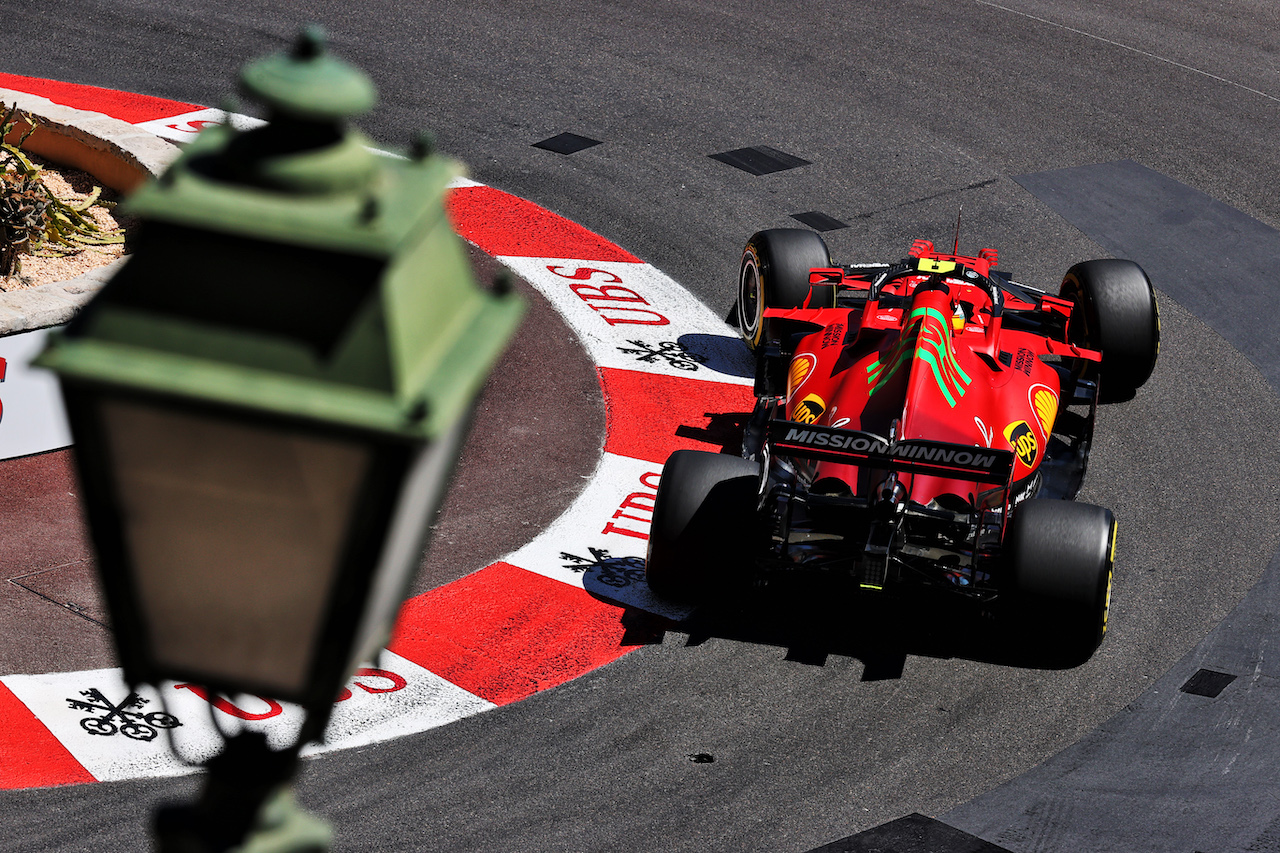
(235, 533)
(420, 498)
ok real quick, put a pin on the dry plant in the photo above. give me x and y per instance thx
(33, 220)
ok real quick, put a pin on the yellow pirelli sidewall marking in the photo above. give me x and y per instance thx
(1106, 604)
(1111, 558)
(754, 264)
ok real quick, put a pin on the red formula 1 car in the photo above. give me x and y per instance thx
(919, 427)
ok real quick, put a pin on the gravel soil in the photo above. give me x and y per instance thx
(69, 185)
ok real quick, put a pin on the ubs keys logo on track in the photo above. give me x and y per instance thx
(111, 718)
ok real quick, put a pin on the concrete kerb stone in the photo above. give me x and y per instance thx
(116, 153)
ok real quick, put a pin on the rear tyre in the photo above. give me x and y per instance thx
(1059, 558)
(775, 274)
(704, 531)
(1115, 313)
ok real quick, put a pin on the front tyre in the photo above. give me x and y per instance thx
(1115, 313)
(775, 274)
(704, 531)
(1059, 558)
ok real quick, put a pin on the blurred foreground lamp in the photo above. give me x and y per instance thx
(268, 398)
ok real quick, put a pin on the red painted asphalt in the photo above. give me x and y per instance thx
(500, 633)
(126, 106)
(509, 226)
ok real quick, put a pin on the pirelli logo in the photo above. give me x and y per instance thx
(863, 448)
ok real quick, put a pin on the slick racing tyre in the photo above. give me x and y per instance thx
(775, 274)
(704, 526)
(1059, 559)
(1115, 313)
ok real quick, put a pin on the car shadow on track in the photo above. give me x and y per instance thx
(816, 619)
(721, 354)
(723, 431)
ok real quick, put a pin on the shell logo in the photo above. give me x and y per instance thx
(801, 366)
(1045, 404)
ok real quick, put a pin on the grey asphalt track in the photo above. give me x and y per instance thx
(904, 111)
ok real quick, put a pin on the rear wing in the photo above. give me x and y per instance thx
(917, 456)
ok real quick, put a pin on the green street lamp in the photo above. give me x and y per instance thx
(267, 401)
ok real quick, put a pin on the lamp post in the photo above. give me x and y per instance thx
(266, 402)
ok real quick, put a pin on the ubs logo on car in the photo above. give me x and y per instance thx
(1023, 441)
(809, 409)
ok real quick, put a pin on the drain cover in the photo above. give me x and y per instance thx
(566, 143)
(1207, 682)
(759, 160)
(819, 221)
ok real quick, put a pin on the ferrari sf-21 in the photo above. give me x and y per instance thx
(920, 427)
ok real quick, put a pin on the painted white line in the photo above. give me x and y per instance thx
(86, 712)
(1129, 48)
(184, 128)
